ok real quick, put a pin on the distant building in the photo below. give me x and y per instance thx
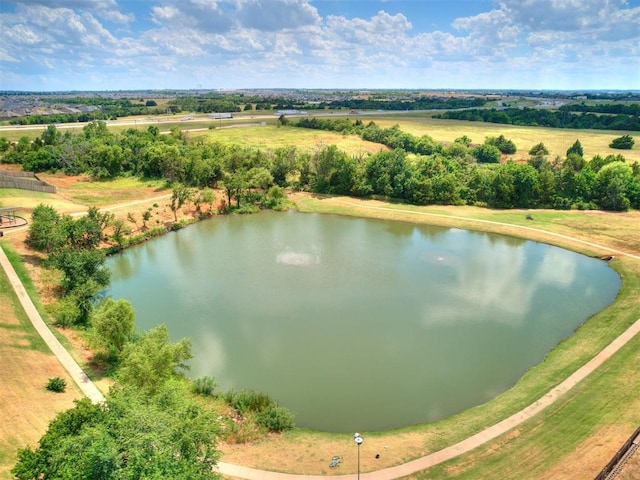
(290, 112)
(220, 116)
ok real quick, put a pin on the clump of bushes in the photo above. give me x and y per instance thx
(276, 418)
(57, 385)
(246, 401)
(266, 412)
(205, 386)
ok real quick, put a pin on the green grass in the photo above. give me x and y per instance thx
(271, 137)
(557, 140)
(17, 261)
(119, 190)
(7, 294)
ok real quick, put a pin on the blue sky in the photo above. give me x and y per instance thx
(57, 45)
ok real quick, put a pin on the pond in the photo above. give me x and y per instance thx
(358, 324)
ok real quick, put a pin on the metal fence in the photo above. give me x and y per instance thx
(24, 181)
(617, 462)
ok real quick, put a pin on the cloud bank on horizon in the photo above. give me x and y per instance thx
(54, 45)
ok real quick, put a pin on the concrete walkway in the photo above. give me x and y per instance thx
(81, 379)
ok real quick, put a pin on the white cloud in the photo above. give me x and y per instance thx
(275, 15)
(517, 43)
(198, 15)
(107, 9)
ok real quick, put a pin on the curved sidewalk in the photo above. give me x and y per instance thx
(70, 365)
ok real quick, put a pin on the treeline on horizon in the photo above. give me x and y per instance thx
(113, 108)
(608, 117)
(413, 169)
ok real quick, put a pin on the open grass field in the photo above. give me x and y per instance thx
(557, 140)
(305, 140)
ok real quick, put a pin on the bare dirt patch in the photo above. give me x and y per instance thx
(592, 455)
(631, 470)
(311, 453)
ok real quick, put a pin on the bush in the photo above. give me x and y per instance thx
(622, 143)
(57, 385)
(276, 418)
(67, 312)
(204, 386)
(503, 144)
(247, 209)
(245, 401)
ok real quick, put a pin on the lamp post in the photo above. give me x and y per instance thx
(358, 439)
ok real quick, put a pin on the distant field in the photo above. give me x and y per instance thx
(557, 140)
(271, 137)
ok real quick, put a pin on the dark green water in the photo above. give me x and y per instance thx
(355, 324)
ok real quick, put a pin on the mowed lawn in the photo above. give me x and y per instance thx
(26, 365)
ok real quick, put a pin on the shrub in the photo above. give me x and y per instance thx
(245, 401)
(247, 209)
(57, 385)
(276, 418)
(204, 386)
(67, 312)
(503, 144)
(624, 142)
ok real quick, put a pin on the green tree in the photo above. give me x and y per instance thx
(5, 144)
(131, 436)
(503, 144)
(464, 140)
(612, 182)
(575, 148)
(538, 149)
(152, 361)
(51, 136)
(624, 142)
(486, 153)
(113, 322)
(78, 266)
(180, 194)
(44, 232)
(146, 216)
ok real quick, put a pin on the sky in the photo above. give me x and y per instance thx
(89, 45)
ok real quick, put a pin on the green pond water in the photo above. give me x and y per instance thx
(356, 324)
